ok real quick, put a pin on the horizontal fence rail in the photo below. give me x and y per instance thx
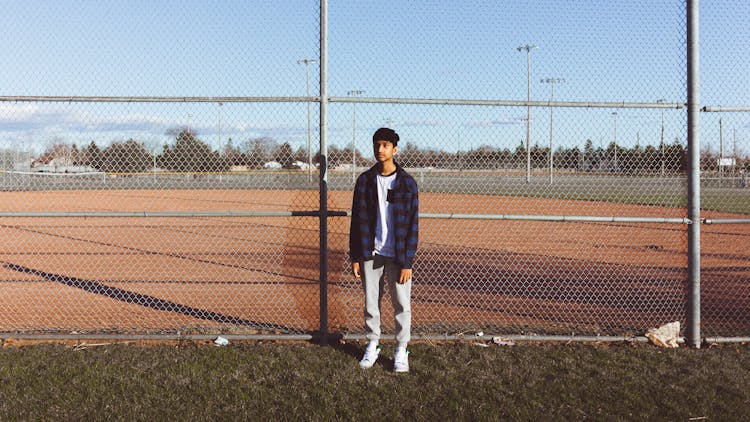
(560, 218)
(728, 109)
(507, 103)
(102, 99)
(363, 100)
(563, 218)
(161, 214)
(726, 220)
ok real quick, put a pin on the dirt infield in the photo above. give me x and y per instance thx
(260, 274)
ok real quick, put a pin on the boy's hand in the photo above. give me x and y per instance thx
(355, 269)
(405, 276)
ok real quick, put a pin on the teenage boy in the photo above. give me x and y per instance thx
(382, 244)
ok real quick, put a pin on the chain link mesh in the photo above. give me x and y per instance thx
(725, 162)
(160, 197)
(128, 215)
(520, 270)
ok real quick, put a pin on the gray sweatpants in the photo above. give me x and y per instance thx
(375, 273)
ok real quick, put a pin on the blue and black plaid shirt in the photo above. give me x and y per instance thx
(405, 202)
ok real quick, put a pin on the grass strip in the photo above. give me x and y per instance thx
(300, 381)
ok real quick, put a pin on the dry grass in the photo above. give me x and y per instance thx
(301, 381)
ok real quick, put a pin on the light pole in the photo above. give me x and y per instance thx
(734, 149)
(552, 82)
(153, 154)
(721, 151)
(734, 153)
(220, 170)
(661, 142)
(220, 104)
(614, 138)
(528, 49)
(355, 93)
(309, 142)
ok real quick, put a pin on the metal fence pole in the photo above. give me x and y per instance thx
(693, 136)
(323, 161)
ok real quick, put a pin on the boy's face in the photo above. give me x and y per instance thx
(384, 151)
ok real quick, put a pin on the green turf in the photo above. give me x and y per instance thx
(448, 381)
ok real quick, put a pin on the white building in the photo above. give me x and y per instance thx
(272, 165)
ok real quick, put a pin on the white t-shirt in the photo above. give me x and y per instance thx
(385, 242)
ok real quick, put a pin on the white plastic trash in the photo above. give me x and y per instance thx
(503, 342)
(667, 335)
(221, 341)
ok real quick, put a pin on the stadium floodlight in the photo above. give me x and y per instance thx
(355, 93)
(614, 136)
(661, 143)
(552, 82)
(307, 62)
(528, 49)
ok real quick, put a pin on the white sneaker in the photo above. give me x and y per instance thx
(371, 355)
(401, 360)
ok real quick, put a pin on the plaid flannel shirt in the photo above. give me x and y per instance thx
(365, 213)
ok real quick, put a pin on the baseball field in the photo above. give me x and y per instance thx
(195, 274)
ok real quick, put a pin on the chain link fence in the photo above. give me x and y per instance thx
(159, 165)
(158, 198)
(725, 162)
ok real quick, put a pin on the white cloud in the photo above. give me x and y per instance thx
(44, 120)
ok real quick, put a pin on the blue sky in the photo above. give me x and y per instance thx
(605, 51)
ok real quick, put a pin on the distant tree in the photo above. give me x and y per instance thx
(126, 157)
(675, 157)
(190, 154)
(519, 155)
(258, 151)
(232, 154)
(568, 158)
(91, 156)
(161, 158)
(58, 150)
(539, 156)
(301, 155)
(651, 159)
(75, 155)
(336, 156)
(589, 159)
(408, 155)
(283, 156)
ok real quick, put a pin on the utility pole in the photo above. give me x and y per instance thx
(734, 155)
(220, 104)
(307, 62)
(220, 170)
(528, 49)
(721, 151)
(614, 137)
(355, 92)
(552, 82)
(661, 143)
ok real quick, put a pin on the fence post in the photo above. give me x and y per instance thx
(694, 188)
(323, 162)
